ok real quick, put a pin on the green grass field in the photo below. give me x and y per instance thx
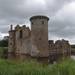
(72, 48)
(2, 48)
(12, 67)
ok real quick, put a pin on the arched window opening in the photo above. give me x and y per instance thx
(21, 34)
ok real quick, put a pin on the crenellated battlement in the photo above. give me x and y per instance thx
(39, 17)
(60, 46)
(17, 27)
(23, 27)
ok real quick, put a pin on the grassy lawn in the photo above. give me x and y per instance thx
(2, 48)
(72, 48)
(12, 67)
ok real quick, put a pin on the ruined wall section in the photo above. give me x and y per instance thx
(23, 39)
(66, 46)
(60, 46)
(52, 50)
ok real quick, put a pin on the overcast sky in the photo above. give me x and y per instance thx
(61, 14)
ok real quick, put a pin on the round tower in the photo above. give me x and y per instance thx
(39, 36)
(11, 40)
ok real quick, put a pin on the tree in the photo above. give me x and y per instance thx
(4, 42)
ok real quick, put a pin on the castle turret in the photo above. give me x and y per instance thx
(11, 40)
(39, 36)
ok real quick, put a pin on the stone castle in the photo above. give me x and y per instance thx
(35, 42)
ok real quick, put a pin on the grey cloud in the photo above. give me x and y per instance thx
(56, 5)
(63, 29)
(62, 24)
(19, 11)
(4, 29)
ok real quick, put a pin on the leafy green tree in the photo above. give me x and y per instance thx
(4, 42)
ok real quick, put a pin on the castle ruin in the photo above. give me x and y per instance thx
(35, 42)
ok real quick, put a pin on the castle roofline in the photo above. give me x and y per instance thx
(12, 30)
(39, 17)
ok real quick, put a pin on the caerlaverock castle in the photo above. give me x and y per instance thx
(35, 42)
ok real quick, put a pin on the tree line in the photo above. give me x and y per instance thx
(73, 46)
(4, 42)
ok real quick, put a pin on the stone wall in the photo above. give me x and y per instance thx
(60, 46)
(39, 36)
(22, 39)
(11, 42)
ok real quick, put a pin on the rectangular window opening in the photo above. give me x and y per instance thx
(32, 23)
(39, 38)
(10, 43)
(42, 22)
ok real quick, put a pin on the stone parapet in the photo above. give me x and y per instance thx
(39, 17)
